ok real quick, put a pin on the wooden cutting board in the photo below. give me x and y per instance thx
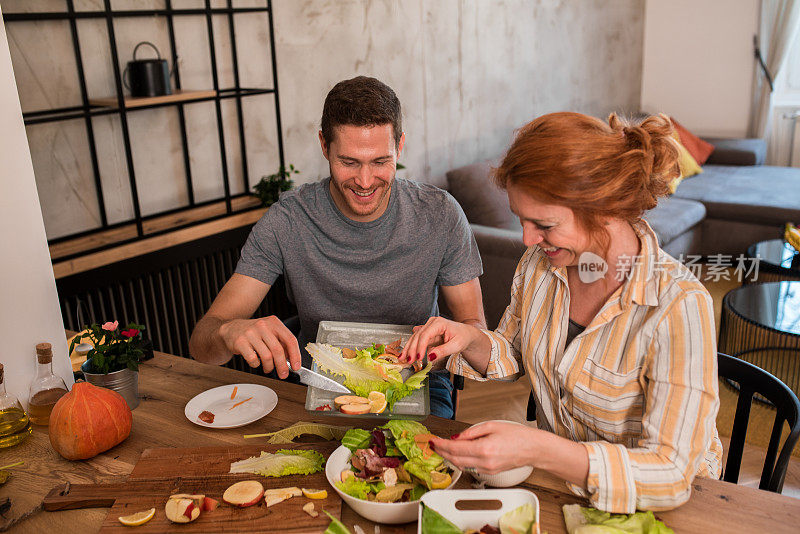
(160, 473)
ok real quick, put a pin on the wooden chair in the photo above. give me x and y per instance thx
(752, 380)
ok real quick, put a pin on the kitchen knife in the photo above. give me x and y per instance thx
(316, 380)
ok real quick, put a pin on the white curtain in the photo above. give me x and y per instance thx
(780, 20)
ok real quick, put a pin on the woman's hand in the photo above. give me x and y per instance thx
(490, 447)
(440, 338)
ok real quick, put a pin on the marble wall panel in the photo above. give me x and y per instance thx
(468, 73)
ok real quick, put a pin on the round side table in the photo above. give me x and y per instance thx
(760, 323)
(777, 260)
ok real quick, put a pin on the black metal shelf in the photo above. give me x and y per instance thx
(87, 110)
(65, 15)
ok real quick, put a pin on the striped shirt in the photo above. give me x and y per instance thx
(638, 387)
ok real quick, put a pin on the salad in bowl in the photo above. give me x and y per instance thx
(383, 473)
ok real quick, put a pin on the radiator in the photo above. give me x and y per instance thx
(167, 291)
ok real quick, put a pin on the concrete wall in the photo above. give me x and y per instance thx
(698, 63)
(467, 72)
(29, 312)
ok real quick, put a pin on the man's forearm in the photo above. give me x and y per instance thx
(206, 345)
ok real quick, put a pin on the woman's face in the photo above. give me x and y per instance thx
(554, 228)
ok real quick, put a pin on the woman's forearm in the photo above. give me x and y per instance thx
(562, 457)
(479, 351)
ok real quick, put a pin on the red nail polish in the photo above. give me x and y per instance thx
(432, 356)
(454, 436)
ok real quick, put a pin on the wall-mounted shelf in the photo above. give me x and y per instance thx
(141, 101)
(194, 212)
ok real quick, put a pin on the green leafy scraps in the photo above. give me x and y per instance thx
(281, 463)
(290, 433)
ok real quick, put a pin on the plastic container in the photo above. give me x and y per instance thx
(445, 502)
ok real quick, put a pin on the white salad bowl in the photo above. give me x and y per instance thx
(380, 512)
(504, 479)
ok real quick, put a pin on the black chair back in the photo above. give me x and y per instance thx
(752, 380)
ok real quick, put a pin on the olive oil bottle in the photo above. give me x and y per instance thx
(46, 388)
(14, 423)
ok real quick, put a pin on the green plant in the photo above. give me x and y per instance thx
(270, 187)
(113, 349)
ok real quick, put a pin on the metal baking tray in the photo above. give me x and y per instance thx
(358, 336)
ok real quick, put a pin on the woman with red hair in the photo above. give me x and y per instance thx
(616, 336)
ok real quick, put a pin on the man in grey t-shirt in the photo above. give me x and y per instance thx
(361, 246)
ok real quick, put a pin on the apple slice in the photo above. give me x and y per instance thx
(196, 499)
(209, 504)
(181, 510)
(355, 409)
(244, 493)
(349, 399)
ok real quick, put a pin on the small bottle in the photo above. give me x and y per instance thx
(46, 388)
(14, 423)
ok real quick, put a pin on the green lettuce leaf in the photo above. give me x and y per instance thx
(355, 487)
(395, 392)
(281, 463)
(421, 468)
(403, 427)
(583, 520)
(518, 521)
(435, 523)
(362, 374)
(417, 492)
(356, 438)
(336, 526)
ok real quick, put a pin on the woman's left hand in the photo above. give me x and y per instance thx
(490, 447)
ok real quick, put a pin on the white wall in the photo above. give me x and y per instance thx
(29, 311)
(698, 63)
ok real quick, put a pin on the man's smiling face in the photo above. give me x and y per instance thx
(363, 162)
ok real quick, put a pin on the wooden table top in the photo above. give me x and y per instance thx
(167, 382)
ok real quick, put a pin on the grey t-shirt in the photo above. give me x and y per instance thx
(384, 271)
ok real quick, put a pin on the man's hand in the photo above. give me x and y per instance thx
(265, 341)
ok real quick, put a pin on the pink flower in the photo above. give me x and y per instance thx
(130, 333)
(109, 326)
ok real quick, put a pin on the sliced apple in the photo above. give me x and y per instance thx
(292, 491)
(196, 499)
(209, 504)
(355, 409)
(309, 509)
(244, 493)
(181, 510)
(341, 400)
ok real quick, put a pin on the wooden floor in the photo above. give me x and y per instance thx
(482, 401)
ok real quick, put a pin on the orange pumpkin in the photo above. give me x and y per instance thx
(89, 420)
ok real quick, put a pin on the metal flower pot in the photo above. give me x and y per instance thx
(125, 382)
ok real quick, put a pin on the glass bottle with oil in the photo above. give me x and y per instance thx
(14, 423)
(46, 388)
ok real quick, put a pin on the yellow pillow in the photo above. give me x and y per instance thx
(688, 165)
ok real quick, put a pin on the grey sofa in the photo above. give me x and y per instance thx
(735, 202)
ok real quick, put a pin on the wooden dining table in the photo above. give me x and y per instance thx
(167, 383)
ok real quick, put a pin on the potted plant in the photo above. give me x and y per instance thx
(113, 360)
(269, 188)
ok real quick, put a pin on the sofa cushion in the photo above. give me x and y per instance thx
(737, 151)
(674, 216)
(483, 202)
(699, 149)
(755, 194)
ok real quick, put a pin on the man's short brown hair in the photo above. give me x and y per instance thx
(361, 101)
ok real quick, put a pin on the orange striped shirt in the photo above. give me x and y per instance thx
(638, 387)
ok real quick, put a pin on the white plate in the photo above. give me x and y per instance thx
(218, 401)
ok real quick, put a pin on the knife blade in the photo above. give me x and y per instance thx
(316, 380)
